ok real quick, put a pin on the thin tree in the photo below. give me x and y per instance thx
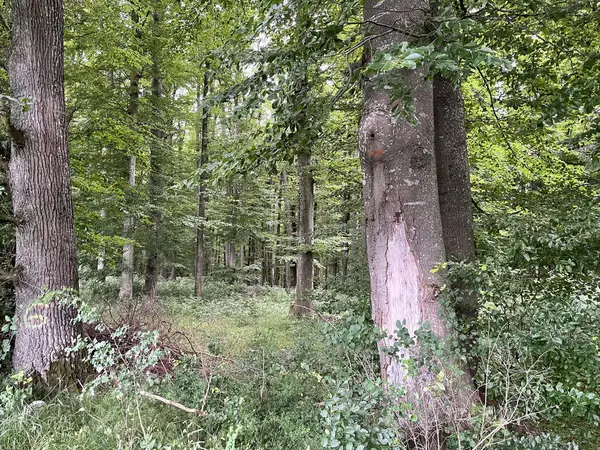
(40, 185)
(202, 145)
(303, 304)
(306, 228)
(127, 269)
(288, 229)
(157, 160)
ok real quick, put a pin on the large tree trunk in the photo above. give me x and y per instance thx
(128, 264)
(202, 145)
(454, 189)
(306, 225)
(40, 185)
(403, 223)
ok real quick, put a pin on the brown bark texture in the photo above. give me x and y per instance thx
(306, 228)
(454, 188)
(40, 185)
(403, 223)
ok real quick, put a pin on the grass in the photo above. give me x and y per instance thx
(261, 379)
(247, 377)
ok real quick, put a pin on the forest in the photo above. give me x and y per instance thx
(300, 224)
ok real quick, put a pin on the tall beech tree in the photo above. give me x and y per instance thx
(40, 185)
(404, 230)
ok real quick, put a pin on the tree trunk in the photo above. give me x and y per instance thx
(157, 159)
(102, 251)
(454, 186)
(288, 230)
(202, 145)
(128, 268)
(403, 223)
(454, 190)
(230, 254)
(39, 180)
(306, 204)
(294, 233)
(127, 271)
(242, 257)
(277, 245)
(346, 250)
(266, 261)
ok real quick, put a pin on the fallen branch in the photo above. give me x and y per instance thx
(166, 401)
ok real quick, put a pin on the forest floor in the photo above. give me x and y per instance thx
(247, 366)
(230, 371)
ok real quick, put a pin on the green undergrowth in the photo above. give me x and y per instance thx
(253, 372)
(255, 378)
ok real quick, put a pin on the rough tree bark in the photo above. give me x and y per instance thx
(454, 190)
(128, 264)
(403, 223)
(202, 145)
(39, 179)
(452, 161)
(306, 204)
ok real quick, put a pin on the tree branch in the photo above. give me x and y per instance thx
(166, 401)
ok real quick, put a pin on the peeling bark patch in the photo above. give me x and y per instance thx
(402, 291)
